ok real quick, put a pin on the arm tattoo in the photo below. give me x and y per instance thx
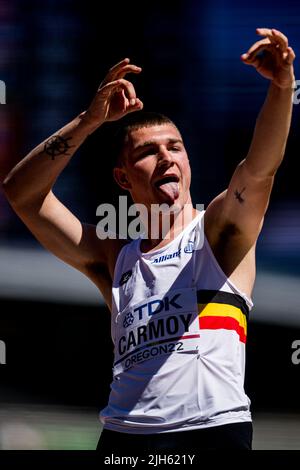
(238, 195)
(56, 145)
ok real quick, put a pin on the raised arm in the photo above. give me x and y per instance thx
(241, 208)
(29, 184)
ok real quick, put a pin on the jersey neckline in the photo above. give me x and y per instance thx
(149, 254)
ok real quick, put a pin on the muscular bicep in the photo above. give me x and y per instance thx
(60, 232)
(243, 205)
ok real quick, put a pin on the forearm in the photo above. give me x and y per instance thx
(271, 132)
(34, 176)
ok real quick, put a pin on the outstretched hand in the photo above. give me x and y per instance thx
(276, 61)
(115, 96)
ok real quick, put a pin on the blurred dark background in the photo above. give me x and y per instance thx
(53, 55)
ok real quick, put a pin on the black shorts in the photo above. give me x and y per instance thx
(228, 436)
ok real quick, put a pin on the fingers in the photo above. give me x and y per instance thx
(120, 70)
(136, 107)
(118, 85)
(132, 104)
(264, 31)
(119, 65)
(281, 38)
(257, 46)
(250, 56)
(128, 90)
(275, 36)
(290, 56)
(130, 68)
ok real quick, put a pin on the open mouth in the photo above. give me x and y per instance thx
(166, 180)
(169, 185)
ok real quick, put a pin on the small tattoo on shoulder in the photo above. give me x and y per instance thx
(238, 195)
(56, 146)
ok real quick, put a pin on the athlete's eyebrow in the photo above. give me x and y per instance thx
(149, 143)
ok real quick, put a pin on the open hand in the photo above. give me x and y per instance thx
(276, 61)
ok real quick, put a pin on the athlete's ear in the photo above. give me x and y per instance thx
(121, 178)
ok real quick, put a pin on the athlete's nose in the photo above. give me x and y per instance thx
(164, 156)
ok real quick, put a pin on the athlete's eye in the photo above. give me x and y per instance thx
(146, 153)
(140, 156)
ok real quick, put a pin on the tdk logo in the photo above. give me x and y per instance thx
(166, 257)
(154, 307)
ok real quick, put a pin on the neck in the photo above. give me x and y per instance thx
(163, 228)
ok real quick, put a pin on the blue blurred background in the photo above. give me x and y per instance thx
(53, 55)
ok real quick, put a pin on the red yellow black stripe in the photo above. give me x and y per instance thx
(223, 310)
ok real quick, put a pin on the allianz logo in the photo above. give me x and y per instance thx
(189, 248)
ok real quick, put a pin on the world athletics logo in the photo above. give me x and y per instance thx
(128, 320)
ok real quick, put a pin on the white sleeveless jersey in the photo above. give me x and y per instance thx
(179, 329)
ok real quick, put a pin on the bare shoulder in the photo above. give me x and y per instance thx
(113, 248)
(213, 223)
(106, 253)
(101, 269)
(234, 252)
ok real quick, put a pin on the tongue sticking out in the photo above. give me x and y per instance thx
(171, 189)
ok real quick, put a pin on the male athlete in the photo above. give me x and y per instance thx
(179, 302)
